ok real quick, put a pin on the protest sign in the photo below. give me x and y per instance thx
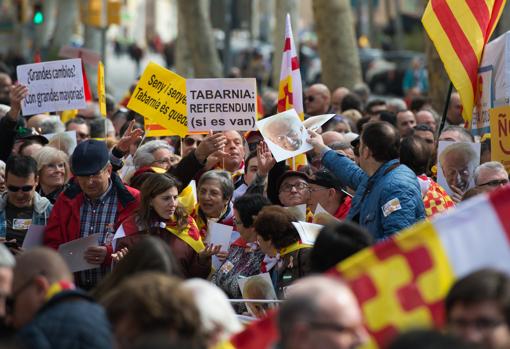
(160, 95)
(500, 135)
(101, 89)
(285, 135)
(52, 86)
(88, 56)
(313, 123)
(456, 166)
(33, 237)
(221, 104)
(257, 287)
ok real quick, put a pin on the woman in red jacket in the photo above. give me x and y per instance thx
(160, 215)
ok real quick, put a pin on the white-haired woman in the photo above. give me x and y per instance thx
(53, 171)
(154, 153)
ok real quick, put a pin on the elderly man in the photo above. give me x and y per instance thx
(326, 190)
(478, 309)
(49, 311)
(81, 127)
(405, 123)
(456, 134)
(95, 203)
(491, 175)
(458, 162)
(293, 189)
(285, 131)
(454, 113)
(317, 100)
(388, 195)
(321, 312)
(21, 206)
(426, 117)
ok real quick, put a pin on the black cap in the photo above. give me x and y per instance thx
(89, 158)
(355, 142)
(24, 133)
(326, 179)
(291, 174)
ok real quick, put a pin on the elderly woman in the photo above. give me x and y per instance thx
(154, 153)
(244, 255)
(215, 190)
(280, 241)
(53, 171)
(159, 215)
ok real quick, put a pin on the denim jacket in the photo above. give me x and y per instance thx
(42, 209)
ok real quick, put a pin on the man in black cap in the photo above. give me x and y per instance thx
(326, 190)
(95, 203)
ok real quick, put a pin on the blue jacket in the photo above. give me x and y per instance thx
(385, 203)
(42, 210)
(68, 320)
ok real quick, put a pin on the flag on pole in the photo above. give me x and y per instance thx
(290, 91)
(402, 282)
(459, 30)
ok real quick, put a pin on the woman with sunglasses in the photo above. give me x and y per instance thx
(159, 215)
(53, 171)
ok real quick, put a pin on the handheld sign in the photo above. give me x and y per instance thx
(52, 86)
(500, 131)
(101, 89)
(161, 96)
(221, 104)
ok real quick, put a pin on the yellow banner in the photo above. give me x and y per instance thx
(161, 97)
(101, 89)
(500, 131)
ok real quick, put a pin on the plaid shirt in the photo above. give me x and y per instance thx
(97, 217)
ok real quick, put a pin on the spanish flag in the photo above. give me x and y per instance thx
(401, 283)
(460, 29)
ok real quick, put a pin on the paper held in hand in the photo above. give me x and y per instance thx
(73, 253)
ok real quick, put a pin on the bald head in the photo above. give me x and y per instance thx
(337, 97)
(37, 120)
(45, 261)
(331, 137)
(317, 99)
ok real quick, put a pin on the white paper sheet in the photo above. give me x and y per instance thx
(33, 237)
(73, 252)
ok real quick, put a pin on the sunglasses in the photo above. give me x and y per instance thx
(495, 183)
(25, 188)
(190, 141)
(310, 99)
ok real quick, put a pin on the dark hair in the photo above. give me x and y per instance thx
(423, 127)
(351, 101)
(382, 139)
(251, 155)
(417, 103)
(248, 206)
(337, 241)
(415, 154)
(480, 286)
(77, 121)
(21, 166)
(427, 339)
(361, 122)
(154, 185)
(388, 116)
(373, 103)
(148, 254)
(275, 223)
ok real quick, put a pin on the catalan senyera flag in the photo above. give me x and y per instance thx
(459, 30)
(290, 90)
(402, 282)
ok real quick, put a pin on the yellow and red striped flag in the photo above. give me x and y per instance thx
(459, 30)
(290, 90)
(401, 283)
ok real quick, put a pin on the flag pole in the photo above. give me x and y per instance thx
(445, 110)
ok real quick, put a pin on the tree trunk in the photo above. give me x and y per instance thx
(282, 7)
(438, 80)
(183, 63)
(200, 39)
(337, 43)
(67, 15)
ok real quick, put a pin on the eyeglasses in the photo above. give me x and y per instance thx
(310, 99)
(190, 141)
(482, 324)
(82, 135)
(495, 183)
(298, 186)
(25, 188)
(163, 161)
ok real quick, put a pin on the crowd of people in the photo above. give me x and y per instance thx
(151, 281)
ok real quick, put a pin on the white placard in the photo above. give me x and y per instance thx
(257, 287)
(221, 104)
(308, 232)
(219, 234)
(456, 165)
(65, 141)
(314, 122)
(52, 86)
(33, 237)
(285, 135)
(73, 252)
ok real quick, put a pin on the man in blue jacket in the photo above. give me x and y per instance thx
(388, 196)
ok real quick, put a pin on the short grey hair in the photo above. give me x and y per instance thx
(464, 134)
(143, 156)
(491, 166)
(398, 104)
(223, 177)
(2, 166)
(52, 125)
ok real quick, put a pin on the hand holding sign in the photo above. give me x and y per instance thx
(16, 95)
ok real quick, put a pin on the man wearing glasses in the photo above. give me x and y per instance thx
(317, 100)
(95, 203)
(490, 175)
(21, 206)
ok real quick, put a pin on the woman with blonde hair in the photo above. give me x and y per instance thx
(53, 172)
